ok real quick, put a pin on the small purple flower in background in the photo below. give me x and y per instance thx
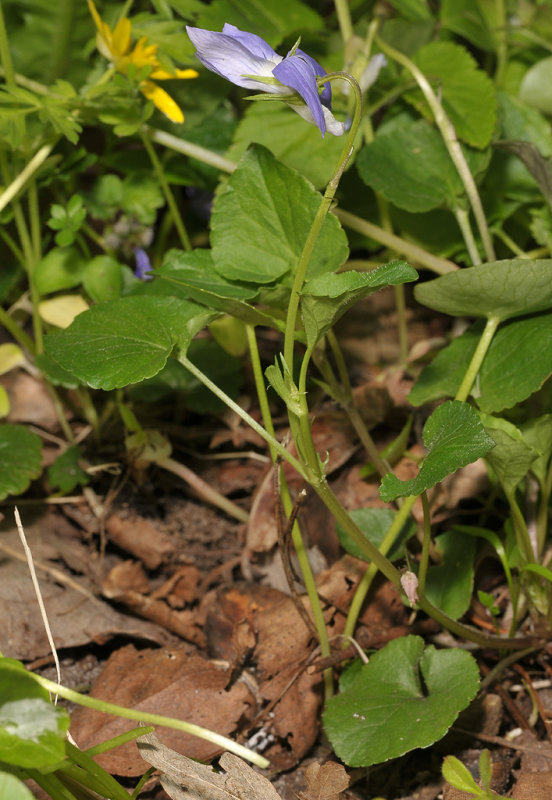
(143, 264)
(247, 60)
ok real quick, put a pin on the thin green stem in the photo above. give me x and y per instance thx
(400, 305)
(16, 250)
(366, 581)
(477, 359)
(62, 419)
(451, 142)
(271, 440)
(64, 25)
(542, 518)
(25, 175)
(260, 386)
(424, 557)
(152, 719)
(463, 219)
(34, 218)
(192, 150)
(414, 253)
(520, 527)
(316, 227)
(501, 34)
(18, 334)
(5, 52)
(169, 197)
(344, 20)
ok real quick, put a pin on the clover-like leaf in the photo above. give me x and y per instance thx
(405, 697)
(454, 437)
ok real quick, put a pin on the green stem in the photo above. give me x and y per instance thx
(34, 218)
(192, 150)
(424, 557)
(344, 20)
(463, 219)
(280, 449)
(5, 53)
(416, 254)
(16, 250)
(260, 386)
(18, 334)
(477, 359)
(542, 518)
(345, 398)
(25, 175)
(316, 227)
(62, 419)
(520, 527)
(64, 25)
(169, 197)
(366, 581)
(451, 142)
(501, 34)
(153, 719)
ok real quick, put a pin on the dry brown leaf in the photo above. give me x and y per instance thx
(140, 537)
(325, 781)
(168, 682)
(184, 779)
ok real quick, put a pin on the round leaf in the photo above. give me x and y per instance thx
(405, 697)
(61, 268)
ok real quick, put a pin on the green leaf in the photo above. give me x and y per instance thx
(32, 729)
(103, 279)
(409, 164)
(536, 86)
(412, 9)
(406, 697)
(12, 788)
(270, 21)
(61, 268)
(503, 381)
(65, 473)
(475, 20)
(114, 344)
(537, 433)
(295, 144)
(142, 196)
(327, 297)
(454, 437)
(521, 123)
(511, 458)
(374, 524)
(499, 289)
(459, 776)
(449, 586)
(467, 93)
(20, 459)
(261, 220)
(55, 374)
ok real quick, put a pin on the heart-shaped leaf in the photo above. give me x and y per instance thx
(449, 585)
(405, 697)
(512, 456)
(261, 220)
(499, 289)
(374, 524)
(454, 437)
(127, 340)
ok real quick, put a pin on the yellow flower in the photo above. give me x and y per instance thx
(116, 46)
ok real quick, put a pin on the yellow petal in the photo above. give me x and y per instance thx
(121, 38)
(62, 310)
(4, 402)
(95, 16)
(163, 75)
(144, 55)
(162, 101)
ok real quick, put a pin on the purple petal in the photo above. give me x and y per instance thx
(143, 265)
(298, 73)
(252, 42)
(326, 96)
(229, 57)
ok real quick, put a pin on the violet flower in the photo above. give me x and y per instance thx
(143, 264)
(247, 60)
